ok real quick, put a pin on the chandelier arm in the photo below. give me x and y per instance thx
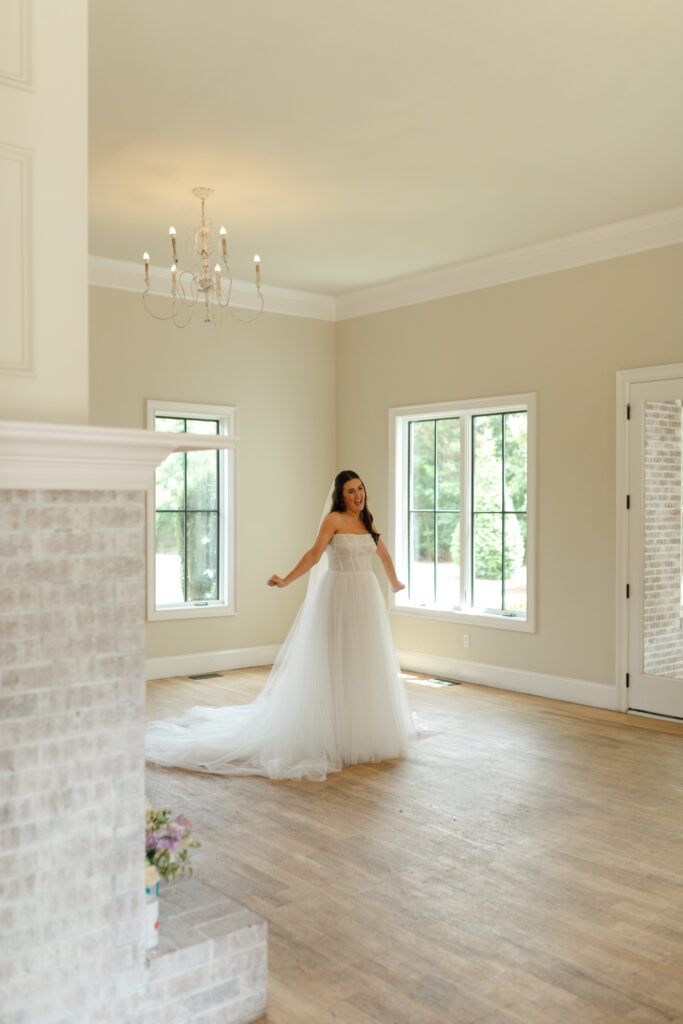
(192, 300)
(186, 304)
(179, 303)
(248, 319)
(171, 316)
(187, 308)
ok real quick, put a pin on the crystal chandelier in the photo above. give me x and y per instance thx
(214, 285)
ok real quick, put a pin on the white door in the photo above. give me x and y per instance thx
(655, 563)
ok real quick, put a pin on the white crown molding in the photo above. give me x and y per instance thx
(639, 234)
(38, 456)
(539, 684)
(630, 236)
(129, 277)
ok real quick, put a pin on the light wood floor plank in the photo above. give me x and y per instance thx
(521, 866)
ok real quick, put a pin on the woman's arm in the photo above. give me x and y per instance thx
(385, 559)
(313, 556)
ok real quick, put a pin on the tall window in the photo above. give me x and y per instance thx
(499, 511)
(433, 563)
(192, 517)
(462, 503)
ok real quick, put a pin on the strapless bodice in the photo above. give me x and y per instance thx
(351, 552)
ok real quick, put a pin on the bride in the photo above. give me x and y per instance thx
(334, 696)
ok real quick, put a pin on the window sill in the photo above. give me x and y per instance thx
(193, 612)
(472, 618)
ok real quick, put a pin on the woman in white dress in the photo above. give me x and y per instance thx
(334, 696)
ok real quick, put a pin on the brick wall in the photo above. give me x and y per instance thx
(72, 586)
(72, 574)
(662, 636)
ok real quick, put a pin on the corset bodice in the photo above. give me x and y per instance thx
(351, 552)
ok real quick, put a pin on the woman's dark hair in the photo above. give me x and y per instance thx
(339, 505)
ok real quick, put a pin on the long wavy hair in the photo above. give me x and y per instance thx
(339, 505)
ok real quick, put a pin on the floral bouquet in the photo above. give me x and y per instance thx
(167, 845)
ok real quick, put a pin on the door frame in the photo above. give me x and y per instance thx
(625, 379)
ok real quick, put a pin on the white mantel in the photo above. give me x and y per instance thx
(46, 456)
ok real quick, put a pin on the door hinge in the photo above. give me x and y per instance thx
(628, 590)
(628, 411)
(628, 680)
(628, 501)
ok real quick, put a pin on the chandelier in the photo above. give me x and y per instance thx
(213, 285)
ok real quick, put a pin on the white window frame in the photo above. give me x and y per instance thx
(227, 532)
(399, 419)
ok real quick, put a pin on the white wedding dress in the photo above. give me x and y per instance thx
(334, 696)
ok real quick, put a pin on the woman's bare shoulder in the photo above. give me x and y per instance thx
(328, 528)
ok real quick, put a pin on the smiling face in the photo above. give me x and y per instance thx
(354, 496)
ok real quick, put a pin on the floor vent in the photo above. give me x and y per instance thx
(430, 682)
(207, 675)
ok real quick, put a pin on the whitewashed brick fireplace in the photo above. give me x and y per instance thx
(72, 593)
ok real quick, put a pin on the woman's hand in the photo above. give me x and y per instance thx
(312, 557)
(385, 558)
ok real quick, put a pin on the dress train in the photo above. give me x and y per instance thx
(334, 696)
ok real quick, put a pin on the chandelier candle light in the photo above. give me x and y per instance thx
(188, 285)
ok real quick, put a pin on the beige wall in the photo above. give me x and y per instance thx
(279, 372)
(563, 336)
(44, 213)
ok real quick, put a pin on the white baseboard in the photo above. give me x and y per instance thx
(210, 661)
(577, 691)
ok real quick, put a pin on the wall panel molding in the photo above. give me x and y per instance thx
(16, 49)
(16, 259)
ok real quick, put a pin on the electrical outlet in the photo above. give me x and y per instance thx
(466, 640)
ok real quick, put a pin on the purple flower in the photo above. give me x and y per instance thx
(169, 842)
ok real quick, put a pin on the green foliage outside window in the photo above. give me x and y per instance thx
(500, 440)
(435, 486)
(498, 520)
(187, 519)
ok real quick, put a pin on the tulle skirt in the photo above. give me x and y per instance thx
(334, 697)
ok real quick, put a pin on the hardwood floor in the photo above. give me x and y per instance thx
(522, 866)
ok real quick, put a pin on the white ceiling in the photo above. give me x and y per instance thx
(351, 143)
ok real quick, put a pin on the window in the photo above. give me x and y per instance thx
(463, 506)
(191, 517)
